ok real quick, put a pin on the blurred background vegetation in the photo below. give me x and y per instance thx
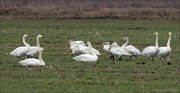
(123, 9)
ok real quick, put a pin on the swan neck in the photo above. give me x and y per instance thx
(38, 45)
(24, 41)
(157, 41)
(40, 55)
(169, 41)
(89, 45)
(127, 41)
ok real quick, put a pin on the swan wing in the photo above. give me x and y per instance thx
(30, 62)
(85, 58)
(119, 51)
(95, 51)
(80, 49)
(19, 51)
(32, 51)
(77, 43)
(149, 51)
(132, 50)
(87, 50)
(164, 51)
(148, 48)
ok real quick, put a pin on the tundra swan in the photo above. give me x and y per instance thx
(130, 49)
(34, 49)
(165, 51)
(33, 61)
(118, 51)
(86, 49)
(151, 51)
(21, 50)
(92, 57)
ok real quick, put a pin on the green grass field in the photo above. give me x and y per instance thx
(64, 75)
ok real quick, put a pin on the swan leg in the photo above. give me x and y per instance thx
(164, 58)
(152, 59)
(130, 57)
(112, 57)
(29, 56)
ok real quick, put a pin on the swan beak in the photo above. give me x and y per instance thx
(25, 35)
(170, 33)
(156, 33)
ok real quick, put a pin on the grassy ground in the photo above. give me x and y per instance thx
(63, 74)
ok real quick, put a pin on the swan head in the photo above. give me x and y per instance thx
(125, 38)
(41, 49)
(169, 33)
(156, 33)
(69, 41)
(97, 33)
(25, 35)
(88, 43)
(39, 36)
(106, 43)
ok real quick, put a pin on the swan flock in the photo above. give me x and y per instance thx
(85, 52)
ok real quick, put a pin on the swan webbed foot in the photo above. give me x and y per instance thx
(112, 57)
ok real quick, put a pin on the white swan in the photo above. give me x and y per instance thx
(165, 51)
(34, 49)
(92, 57)
(151, 51)
(118, 51)
(131, 49)
(21, 50)
(74, 44)
(106, 46)
(33, 61)
(86, 49)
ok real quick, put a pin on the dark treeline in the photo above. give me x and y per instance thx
(90, 8)
(93, 3)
